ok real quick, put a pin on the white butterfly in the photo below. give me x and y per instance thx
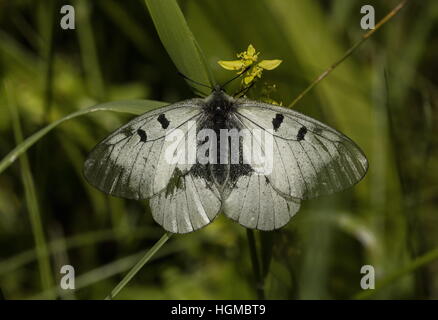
(310, 159)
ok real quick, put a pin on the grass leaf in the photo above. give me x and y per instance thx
(136, 268)
(179, 41)
(127, 106)
(32, 204)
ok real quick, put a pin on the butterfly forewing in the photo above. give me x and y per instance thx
(130, 162)
(310, 158)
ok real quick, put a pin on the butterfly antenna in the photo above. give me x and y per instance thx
(236, 77)
(198, 92)
(194, 81)
(244, 90)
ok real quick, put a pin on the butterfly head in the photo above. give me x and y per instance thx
(219, 92)
(219, 99)
(218, 88)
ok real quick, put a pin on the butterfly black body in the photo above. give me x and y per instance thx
(219, 111)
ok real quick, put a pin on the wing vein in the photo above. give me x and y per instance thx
(187, 203)
(299, 167)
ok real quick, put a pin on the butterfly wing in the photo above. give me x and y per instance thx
(310, 159)
(253, 203)
(189, 203)
(130, 162)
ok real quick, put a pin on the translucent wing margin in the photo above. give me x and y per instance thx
(310, 159)
(130, 162)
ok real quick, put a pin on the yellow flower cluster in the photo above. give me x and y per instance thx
(248, 59)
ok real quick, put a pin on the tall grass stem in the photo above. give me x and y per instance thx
(349, 52)
(148, 255)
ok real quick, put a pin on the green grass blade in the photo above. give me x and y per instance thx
(179, 41)
(127, 106)
(133, 31)
(89, 54)
(108, 270)
(349, 52)
(32, 205)
(419, 262)
(81, 240)
(46, 12)
(266, 247)
(149, 254)
(258, 278)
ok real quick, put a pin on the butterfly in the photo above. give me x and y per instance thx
(309, 159)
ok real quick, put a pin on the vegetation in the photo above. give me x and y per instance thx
(123, 59)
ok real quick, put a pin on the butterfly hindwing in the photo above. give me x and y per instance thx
(189, 203)
(130, 162)
(253, 203)
(310, 158)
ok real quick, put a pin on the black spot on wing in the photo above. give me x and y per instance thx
(142, 134)
(163, 120)
(301, 133)
(277, 121)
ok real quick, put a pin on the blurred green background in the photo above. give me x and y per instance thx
(384, 97)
